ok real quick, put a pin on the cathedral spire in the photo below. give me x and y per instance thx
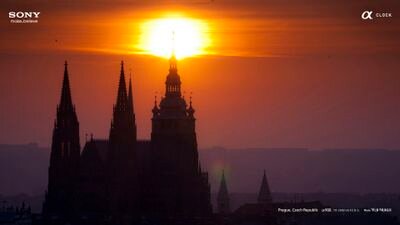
(66, 100)
(173, 64)
(130, 95)
(173, 83)
(264, 195)
(122, 98)
(223, 196)
(64, 156)
(124, 116)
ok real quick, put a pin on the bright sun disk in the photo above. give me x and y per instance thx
(188, 37)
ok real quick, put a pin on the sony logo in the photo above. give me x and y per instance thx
(24, 15)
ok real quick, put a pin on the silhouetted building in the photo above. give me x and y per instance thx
(264, 195)
(177, 185)
(262, 210)
(123, 177)
(93, 187)
(65, 156)
(223, 206)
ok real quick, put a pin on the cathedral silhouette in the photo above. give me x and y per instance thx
(123, 180)
(123, 177)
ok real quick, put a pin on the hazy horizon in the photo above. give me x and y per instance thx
(288, 170)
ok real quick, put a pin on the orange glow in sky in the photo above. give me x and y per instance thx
(187, 36)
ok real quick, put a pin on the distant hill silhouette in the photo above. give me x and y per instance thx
(23, 169)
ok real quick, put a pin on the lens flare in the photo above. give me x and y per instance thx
(185, 36)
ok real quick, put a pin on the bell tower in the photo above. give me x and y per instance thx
(173, 123)
(180, 184)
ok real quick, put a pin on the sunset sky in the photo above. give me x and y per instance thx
(273, 73)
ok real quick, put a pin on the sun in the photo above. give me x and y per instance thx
(185, 36)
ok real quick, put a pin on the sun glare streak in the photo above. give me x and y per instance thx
(188, 37)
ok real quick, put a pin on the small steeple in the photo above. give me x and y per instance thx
(122, 98)
(223, 196)
(173, 64)
(264, 195)
(66, 100)
(190, 110)
(155, 108)
(223, 190)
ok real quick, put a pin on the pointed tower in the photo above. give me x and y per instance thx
(131, 110)
(223, 197)
(130, 100)
(123, 127)
(66, 99)
(122, 150)
(65, 153)
(122, 96)
(264, 196)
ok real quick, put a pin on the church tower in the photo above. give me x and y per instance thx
(123, 126)
(64, 158)
(122, 142)
(181, 186)
(223, 197)
(264, 196)
(173, 127)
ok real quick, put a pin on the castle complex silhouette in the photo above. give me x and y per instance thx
(124, 176)
(124, 180)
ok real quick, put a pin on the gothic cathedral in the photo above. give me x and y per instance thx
(122, 176)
